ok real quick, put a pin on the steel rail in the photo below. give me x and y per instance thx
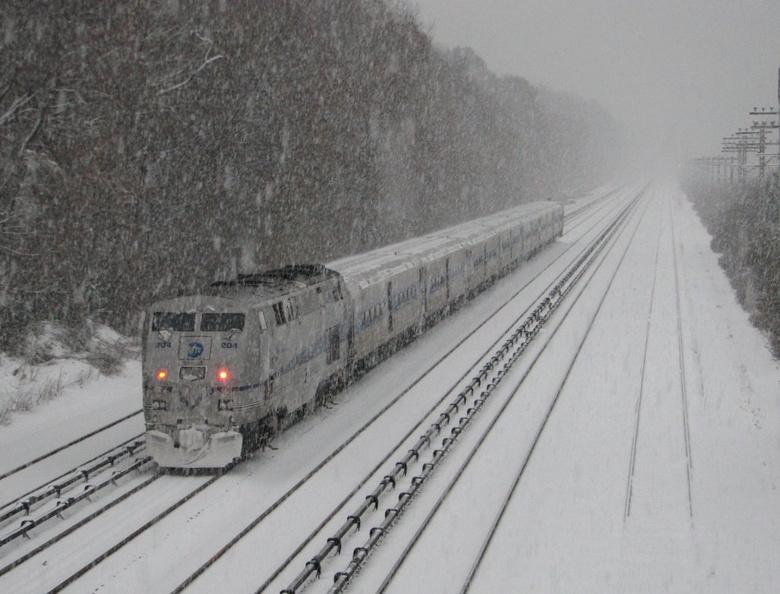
(61, 505)
(82, 473)
(640, 394)
(548, 305)
(68, 445)
(683, 375)
(141, 529)
(252, 524)
(39, 549)
(334, 543)
(537, 437)
(400, 468)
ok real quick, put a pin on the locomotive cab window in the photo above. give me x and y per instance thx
(176, 322)
(279, 313)
(221, 322)
(286, 311)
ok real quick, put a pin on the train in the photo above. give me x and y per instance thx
(226, 369)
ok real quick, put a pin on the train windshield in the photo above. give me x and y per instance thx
(175, 322)
(221, 322)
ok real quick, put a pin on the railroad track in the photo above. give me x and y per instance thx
(32, 508)
(574, 216)
(523, 335)
(67, 482)
(14, 472)
(665, 264)
(264, 518)
(72, 490)
(641, 391)
(387, 481)
(277, 502)
(488, 539)
(683, 373)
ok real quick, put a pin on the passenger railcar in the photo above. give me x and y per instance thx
(224, 370)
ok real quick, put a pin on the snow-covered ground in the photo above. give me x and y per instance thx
(571, 528)
(657, 471)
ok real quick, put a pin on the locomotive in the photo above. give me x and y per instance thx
(226, 369)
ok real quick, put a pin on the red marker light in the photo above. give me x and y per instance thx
(162, 374)
(223, 375)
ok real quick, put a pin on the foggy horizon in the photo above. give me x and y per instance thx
(677, 76)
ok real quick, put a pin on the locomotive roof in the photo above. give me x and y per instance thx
(278, 281)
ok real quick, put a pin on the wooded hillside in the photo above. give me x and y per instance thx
(148, 147)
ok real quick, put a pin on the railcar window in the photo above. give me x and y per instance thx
(438, 282)
(371, 314)
(221, 322)
(176, 322)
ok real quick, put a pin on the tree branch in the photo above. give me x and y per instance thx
(15, 107)
(190, 77)
(32, 133)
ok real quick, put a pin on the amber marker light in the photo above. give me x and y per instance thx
(162, 374)
(223, 375)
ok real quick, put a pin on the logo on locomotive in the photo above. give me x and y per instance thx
(195, 350)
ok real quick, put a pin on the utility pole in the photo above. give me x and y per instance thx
(718, 169)
(753, 140)
(741, 142)
(763, 127)
(725, 168)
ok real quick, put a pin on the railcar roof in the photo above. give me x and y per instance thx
(380, 263)
(392, 259)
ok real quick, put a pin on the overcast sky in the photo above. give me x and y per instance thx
(679, 74)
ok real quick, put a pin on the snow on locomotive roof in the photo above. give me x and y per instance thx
(276, 282)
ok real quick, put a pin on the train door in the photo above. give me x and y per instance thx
(447, 277)
(333, 345)
(390, 307)
(424, 288)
